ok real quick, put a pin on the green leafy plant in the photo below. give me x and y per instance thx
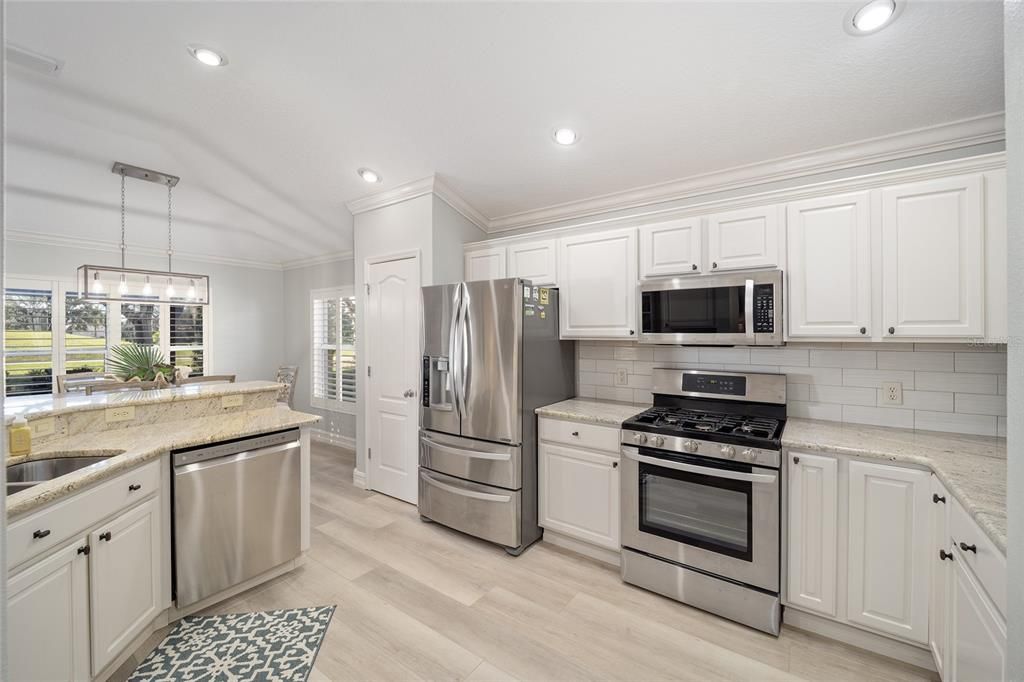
(130, 360)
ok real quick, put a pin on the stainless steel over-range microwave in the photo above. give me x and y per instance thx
(742, 309)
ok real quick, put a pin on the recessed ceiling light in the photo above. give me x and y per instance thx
(873, 16)
(369, 175)
(566, 136)
(207, 56)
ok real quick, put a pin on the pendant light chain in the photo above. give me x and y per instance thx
(124, 246)
(169, 250)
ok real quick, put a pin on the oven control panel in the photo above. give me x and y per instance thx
(762, 457)
(722, 384)
(764, 308)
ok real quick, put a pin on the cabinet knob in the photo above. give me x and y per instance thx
(134, 486)
(576, 433)
(84, 550)
(693, 267)
(968, 548)
(936, 498)
(796, 460)
(40, 534)
(615, 465)
(892, 330)
(943, 555)
(714, 266)
(863, 330)
(632, 332)
(105, 536)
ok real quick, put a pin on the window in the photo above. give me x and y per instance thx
(33, 308)
(333, 364)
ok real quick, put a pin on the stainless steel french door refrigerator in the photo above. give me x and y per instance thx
(491, 356)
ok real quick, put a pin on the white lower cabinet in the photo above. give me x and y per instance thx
(939, 559)
(977, 640)
(813, 532)
(48, 617)
(579, 494)
(888, 572)
(125, 580)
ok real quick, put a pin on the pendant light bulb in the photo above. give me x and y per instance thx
(192, 289)
(147, 288)
(170, 288)
(122, 287)
(97, 285)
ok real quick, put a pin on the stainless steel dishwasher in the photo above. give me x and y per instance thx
(236, 512)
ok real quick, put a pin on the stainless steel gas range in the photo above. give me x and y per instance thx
(701, 492)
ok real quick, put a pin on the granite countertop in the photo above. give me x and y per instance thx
(133, 446)
(973, 468)
(586, 411)
(51, 405)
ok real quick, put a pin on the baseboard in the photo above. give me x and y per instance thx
(585, 548)
(359, 479)
(342, 441)
(880, 644)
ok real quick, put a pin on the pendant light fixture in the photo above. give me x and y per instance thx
(98, 283)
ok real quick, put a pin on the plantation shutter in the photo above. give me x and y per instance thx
(28, 341)
(186, 338)
(140, 323)
(85, 334)
(333, 353)
(348, 349)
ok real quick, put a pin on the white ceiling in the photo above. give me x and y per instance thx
(268, 146)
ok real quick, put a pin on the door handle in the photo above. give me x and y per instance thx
(633, 454)
(410, 393)
(472, 494)
(748, 309)
(968, 548)
(472, 454)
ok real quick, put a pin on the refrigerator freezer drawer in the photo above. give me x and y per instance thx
(482, 511)
(475, 460)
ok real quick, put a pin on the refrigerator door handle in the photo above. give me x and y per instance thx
(465, 373)
(454, 361)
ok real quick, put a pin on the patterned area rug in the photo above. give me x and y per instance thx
(265, 645)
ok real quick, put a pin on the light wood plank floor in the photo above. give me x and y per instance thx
(419, 601)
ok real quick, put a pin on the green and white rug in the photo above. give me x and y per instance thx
(265, 645)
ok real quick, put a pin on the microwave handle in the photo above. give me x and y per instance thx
(634, 454)
(748, 309)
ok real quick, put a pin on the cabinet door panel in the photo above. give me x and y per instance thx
(671, 248)
(938, 605)
(748, 238)
(977, 633)
(597, 282)
(535, 261)
(579, 495)
(48, 618)
(829, 266)
(125, 570)
(888, 549)
(932, 258)
(485, 264)
(813, 532)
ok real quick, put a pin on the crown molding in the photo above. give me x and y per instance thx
(410, 190)
(335, 257)
(908, 144)
(455, 200)
(46, 239)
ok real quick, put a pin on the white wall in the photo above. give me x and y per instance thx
(1014, 69)
(298, 282)
(246, 311)
(451, 231)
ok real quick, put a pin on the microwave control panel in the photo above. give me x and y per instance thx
(764, 308)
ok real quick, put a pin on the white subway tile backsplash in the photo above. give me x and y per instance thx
(959, 382)
(982, 363)
(873, 378)
(916, 360)
(863, 359)
(946, 387)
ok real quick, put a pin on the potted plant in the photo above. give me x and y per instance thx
(132, 362)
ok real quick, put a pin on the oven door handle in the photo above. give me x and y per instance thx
(748, 309)
(634, 454)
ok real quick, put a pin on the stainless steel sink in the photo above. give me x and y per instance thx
(27, 474)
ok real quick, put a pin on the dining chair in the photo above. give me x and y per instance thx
(287, 375)
(77, 381)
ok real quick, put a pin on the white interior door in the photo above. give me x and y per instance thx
(392, 355)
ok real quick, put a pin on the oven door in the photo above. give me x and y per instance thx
(717, 517)
(742, 309)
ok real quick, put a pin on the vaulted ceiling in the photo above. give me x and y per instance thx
(268, 146)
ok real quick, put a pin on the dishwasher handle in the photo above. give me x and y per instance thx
(232, 459)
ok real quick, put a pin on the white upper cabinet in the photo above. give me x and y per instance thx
(932, 258)
(485, 264)
(889, 568)
(536, 261)
(828, 264)
(748, 238)
(597, 282)
(813, 532)
(671, 248)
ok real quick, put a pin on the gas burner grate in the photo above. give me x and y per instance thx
(699, 421)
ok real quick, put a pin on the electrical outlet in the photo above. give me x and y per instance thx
(42, 427)
(621, 376)
(120, 414)
(234, 400)
(892, 393)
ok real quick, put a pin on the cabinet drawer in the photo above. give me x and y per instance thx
(987, 563)
(77, 512)
(586, 436)
(481, 510)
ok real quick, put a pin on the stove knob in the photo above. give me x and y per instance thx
(749, 455)
(657, 441)
(690, 446)
(640, 438)
(727, 451)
